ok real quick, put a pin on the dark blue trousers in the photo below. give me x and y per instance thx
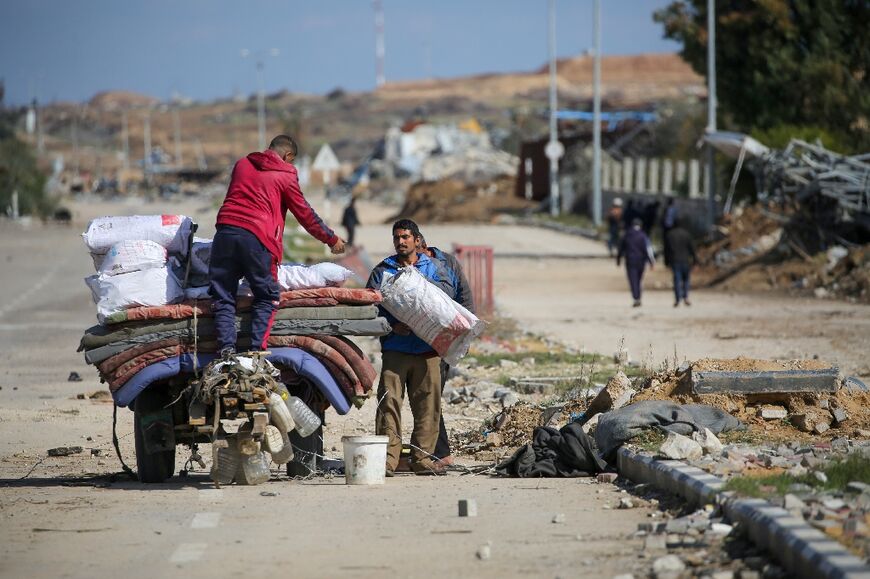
(237, 253)
(681, 281)
(635, 275)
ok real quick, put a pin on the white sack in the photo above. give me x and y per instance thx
(430, 313)
(132, 255)
(292, 277)
(149, 287)
(169, 231)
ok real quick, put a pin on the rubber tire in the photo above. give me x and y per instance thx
(150, 467)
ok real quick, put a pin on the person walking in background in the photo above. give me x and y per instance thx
(669, 219)
(681, 259)
(637, 251)
(349, 220)
(249, 241)
(614, 223)
(463, 296)
(649, 217)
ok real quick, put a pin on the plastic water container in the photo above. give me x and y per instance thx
(365, 459)
(272, 440)
(253, 470)
(284, 455)
(225, 463)
(305, 419)
(279, 414)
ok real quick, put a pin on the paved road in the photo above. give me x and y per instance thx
(66, 517)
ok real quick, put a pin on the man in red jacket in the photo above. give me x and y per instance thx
(250, 239)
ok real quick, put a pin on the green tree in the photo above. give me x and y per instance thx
(19, 172)
(783, 62)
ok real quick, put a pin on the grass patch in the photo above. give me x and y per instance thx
(649, 440)
(302, 248)
(841, 472)
(543, 358)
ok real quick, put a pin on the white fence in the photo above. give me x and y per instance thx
(652, 176)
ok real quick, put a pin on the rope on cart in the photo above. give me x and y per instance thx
(127, 470)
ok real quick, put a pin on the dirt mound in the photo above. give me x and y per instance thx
(452, 200)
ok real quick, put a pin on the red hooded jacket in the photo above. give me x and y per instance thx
(263, 187)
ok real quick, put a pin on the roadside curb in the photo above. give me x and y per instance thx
(802, 549)
(561, 228)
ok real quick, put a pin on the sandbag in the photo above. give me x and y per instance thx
(148, 287)
(294, 277)
(169, 231)
(430, 313)
(132, 255)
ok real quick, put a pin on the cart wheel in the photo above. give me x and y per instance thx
(154, 467)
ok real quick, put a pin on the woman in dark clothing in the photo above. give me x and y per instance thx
(349, 220)
(637, 251)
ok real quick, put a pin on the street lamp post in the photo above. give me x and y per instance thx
(554, 149)
(596, 116)
(711, 111)
(261, 92)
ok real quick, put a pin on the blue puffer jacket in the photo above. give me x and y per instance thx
(432, 270)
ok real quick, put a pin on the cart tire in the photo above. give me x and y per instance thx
(154, 467)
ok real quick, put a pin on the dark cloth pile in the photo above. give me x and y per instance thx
(568, 452)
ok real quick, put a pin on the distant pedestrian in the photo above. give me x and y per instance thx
(637, 251)
(649, 216)
(669, 220)
(614, 225)
(630, 214)
(349, 220)
(682, 258)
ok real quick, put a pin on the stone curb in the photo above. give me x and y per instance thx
(803, 550)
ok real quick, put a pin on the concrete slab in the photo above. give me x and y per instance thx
(778, 381)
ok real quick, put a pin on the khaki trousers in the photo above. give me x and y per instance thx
(422, 378)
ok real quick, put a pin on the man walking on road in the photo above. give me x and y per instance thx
(350, 219)
(409, 363)
(681, 257)
(463, 296)
(250, 239)
(637, 251)
(614, 223)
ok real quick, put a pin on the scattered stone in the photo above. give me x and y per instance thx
(591, 423)
(678, 526)
(822, 427)
(722, 529)
(559, 519)
(268, 494)
(493, 439)
(810, 461)
(64, 450)
(722, 575)
(839, 415)
(626, 503)
(96, 452)
(74, 377)
(528, 361)
(484, 552)
(653, 543)
(854, 486)
(708, 441)
(749, 574)
(624, 576)
(668, 564)
(772, 412)
(797, 471)
(793, 503)
(505, 363)
(679, 447)
(607, 477)
(616, 394)
(509, 399)
(833, 504)
(467, 508)
(812, 420)
(821, 477)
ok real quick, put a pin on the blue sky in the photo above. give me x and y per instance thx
(70, 50)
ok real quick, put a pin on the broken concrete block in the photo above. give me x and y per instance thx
(509, 399)
(655, 543)
(679, 447)
(559, 518)
(668, 564)
(493, 439)
(822, 427)
(839, 415)
(467, 508)
(772, 412)
(793, 503)
(607, 477)
(591, 423)
(64, 450)
(626, 503)
(763, 382)
(504, 363)
(708, 441)
(484, 552)
(810, 418)
(616, 394)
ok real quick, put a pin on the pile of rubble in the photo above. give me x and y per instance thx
(457, 200)
(757, 248)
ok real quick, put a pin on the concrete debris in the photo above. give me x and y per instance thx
(616, 394)
(65, 450)
(772, 412)
(607, 477)
(559, 518)
(626, 503)
(74, 377)
(467, 508)
(484, 552)
(679, 447)
(668, 564)
(708, 441)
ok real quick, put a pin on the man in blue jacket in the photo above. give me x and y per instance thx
(463, 296)
(637, 251)
(409, 363)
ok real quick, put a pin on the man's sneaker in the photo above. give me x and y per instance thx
(227, 353)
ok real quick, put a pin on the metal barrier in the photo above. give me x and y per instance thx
(476, 261)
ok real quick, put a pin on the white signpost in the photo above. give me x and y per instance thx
(326, 162)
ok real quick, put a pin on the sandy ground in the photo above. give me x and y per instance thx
(66, 517)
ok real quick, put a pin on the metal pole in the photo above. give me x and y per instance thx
(125, 137)
(261, 107)
(596, 117)
(146, 141)
(176, 121)
(554, 137)
(711, 110)
(380, 49)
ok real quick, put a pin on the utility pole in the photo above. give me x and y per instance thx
(261, 93)
(125, 138)
(554, 149)
(146, 138)
(596, 116)
(380, 49)
(711, 111)
(176, 122)
(75, 140)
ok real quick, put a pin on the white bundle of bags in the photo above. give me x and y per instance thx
(169, 231)
(430, 313)
(148, 287)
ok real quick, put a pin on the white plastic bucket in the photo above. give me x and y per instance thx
(365, 459)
